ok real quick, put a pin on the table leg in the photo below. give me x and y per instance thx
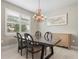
(42, 52)
(47, 57)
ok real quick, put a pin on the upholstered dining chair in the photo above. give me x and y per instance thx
(38, 34)
(31, 46)
(21, 43)
(48, 37)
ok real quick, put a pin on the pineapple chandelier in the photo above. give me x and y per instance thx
(38, 15)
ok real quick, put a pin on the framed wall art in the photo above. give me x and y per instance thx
(58, 20)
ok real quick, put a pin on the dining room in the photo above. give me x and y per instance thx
(39, 29)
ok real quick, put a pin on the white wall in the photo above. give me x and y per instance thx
(7, 40)
(71, 27)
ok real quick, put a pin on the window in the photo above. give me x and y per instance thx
(16, 22)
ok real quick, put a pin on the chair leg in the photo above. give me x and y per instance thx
(45, 51)
(18, 49)
(21, 52)
(32, 56)
(26, 53)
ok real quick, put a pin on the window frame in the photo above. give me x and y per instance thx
(19, 19)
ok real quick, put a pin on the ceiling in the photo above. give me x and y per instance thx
(46, 5)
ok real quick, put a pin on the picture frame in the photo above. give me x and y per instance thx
(58, 20)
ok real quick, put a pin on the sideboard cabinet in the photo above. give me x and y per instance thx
(65, 39)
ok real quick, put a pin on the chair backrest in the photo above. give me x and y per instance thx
(28, 36)
(19, 37)
(48, 36)
(38, 34)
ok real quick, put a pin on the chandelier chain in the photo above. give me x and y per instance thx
(39, 4)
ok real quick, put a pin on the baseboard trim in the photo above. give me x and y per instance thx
(7, 46)
(74, 47)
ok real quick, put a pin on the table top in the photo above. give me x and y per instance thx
(42, 41)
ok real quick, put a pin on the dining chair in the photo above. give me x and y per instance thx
(48, 37)
(38, 34)
(21, 43)
(31, 46)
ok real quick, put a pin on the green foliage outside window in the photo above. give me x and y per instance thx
(12, 27)
(23, 28)
(17, 28)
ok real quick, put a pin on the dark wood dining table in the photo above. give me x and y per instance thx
(44, 43)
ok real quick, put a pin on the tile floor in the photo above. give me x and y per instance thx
(10, 52)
